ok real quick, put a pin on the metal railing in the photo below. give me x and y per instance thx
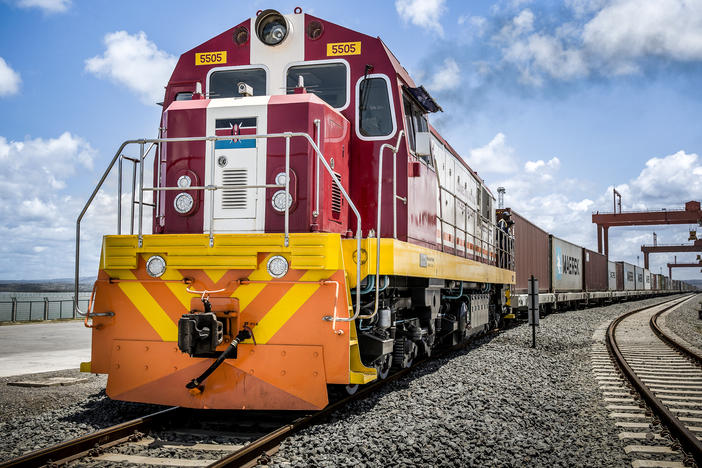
(211, 188)
(24, 310)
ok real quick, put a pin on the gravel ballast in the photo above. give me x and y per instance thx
(685, 322)
(497, 403)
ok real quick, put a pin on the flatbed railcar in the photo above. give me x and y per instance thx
(308, 228)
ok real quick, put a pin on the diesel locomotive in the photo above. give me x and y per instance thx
(310, 228)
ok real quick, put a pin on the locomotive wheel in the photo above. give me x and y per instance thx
(404, 353)
(383, 367)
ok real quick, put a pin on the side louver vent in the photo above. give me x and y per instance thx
(233, 198)
(336, 196)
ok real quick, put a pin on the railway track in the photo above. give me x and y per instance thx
(667, 376)
(161, 439)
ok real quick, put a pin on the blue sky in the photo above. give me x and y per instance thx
(558, 101)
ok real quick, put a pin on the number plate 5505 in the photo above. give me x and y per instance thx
(343, 48)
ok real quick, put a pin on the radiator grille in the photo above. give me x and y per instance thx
(233, 198)
(336, 196)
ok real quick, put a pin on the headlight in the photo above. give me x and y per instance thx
(184, 181)
(183, 203)
(155, 266)
(277, 266)
(271, 27)
(280, 178)
(281, 200)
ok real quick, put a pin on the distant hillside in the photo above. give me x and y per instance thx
(50, 285)
(696, 282)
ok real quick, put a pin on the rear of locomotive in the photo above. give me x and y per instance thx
(248, 292)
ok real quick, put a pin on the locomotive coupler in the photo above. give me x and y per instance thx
(231, 352)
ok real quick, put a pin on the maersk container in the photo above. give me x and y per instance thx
(626, 271)
(531, 252)
(566, 266)
(647, 280)
(639, 278)
(612, 275)
(595, 266)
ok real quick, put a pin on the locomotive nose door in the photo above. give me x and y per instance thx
(237, 162)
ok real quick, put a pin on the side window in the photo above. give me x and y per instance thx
(415, 122)
(327, 80)
(224, 83)
(187, 96)
(375, 115)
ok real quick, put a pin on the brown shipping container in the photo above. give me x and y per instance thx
(531, 253)
(620, 276)
(596, 276)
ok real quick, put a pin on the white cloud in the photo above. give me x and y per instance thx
(497, 156)
(49, 6)
(136, 62)
(630, 29)
(670, 180)
(476, 23)
(618, 38)
(9, 79)
(446, 78)
(423, 13)
(544, 168)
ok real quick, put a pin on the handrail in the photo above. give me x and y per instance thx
(212, 187)
(394, 150)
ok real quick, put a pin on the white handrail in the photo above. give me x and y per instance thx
(212, 187)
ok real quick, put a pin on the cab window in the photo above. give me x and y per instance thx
(374, 111)
(415, 122)
(225, 83)
(327, 80)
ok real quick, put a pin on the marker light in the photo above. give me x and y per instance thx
(281, 200)
(280, 178)
(184, 181)
(155, 266)
(277, 266)
(183, 203)
(271, 27)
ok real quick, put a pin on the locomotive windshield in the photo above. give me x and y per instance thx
(328, 81)
(223, 84)
(375, 113)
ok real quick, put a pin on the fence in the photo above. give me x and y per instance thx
(40, 308)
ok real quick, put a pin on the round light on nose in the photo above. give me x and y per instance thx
(280, 178)
(271, 27)
(155, 266)
(184, 181)
(281, 200)
(183, 203)
(277, 266)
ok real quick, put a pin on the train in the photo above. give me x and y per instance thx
(572, 276)
(310, 230)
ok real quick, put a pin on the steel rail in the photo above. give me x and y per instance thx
(688, 440)
(75, 448)
(653, 323)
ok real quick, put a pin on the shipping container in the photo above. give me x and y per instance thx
(612, 275)
(639, 278)
(626, 271)
(596, 275)
(647, 280)
(531, 252)
(566, 266)
(654, 282)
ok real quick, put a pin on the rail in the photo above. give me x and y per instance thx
(687, 438)
(211, 188)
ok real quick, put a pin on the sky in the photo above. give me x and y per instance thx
(558, 101)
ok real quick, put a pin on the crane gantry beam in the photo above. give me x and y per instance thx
(692, 214)
(670, 248)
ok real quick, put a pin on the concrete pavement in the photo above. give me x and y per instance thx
(43, 347)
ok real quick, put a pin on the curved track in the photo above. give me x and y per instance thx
(667, 376)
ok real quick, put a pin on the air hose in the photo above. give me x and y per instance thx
(230, 352)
